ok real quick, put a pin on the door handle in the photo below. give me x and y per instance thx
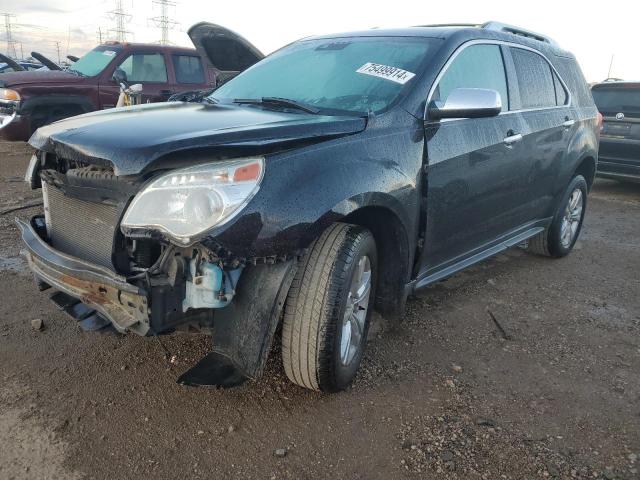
(166, 93)
(568, 124)
(514, 138)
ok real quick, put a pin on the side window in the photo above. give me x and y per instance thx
(148, 67)
(561, 92)
(536, 83)
(477, 66)
(188, 69)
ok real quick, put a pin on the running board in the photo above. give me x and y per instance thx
(478, 257)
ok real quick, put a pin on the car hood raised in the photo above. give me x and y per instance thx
(226, 50)
(131, 139)
(40, 77)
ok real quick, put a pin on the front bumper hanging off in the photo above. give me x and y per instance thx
(242, 331)
(123, 304)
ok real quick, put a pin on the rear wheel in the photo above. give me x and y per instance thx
(328, 309)
(560, 237)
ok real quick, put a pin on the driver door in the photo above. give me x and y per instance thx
(147, 68)
(474, 167)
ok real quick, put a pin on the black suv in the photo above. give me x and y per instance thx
(337, 175)
(619, 104)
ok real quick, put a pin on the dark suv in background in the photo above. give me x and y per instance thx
(619, 104)
(337, 175)
(31, 99)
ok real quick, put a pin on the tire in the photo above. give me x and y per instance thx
(313, 329)
(551, 242)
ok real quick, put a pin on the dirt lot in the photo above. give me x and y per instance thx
(444, 395)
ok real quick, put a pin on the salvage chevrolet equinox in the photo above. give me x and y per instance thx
(336, 176)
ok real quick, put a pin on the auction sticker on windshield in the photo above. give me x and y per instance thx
(394, 74)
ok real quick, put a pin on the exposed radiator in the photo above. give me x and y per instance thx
(82, 229)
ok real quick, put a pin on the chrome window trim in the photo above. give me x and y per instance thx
(470, 43)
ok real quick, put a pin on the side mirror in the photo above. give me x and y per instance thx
(467, 103)
(120, 76)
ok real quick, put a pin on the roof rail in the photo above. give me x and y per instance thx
(503, 27)
(436, 25)
(499, 27)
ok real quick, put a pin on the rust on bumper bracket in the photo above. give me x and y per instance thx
(124, 305)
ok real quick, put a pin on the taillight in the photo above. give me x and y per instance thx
(600, 122)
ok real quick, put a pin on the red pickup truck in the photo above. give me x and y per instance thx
(29, 100)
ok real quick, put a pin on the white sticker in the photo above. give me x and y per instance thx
(109, 53)
(394, 74)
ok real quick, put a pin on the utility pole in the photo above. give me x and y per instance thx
(99, 36)
(163, 22)
(8, 28)
(611, 66)
(121, 18)
(58, 50)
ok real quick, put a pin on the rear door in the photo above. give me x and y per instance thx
(474, 172)
(543, 101)
(619, 103)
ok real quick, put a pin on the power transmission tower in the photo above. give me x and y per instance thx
(8, 28)
(163, 22)
(121, 18)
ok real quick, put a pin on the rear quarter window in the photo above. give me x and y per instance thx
(570, 72)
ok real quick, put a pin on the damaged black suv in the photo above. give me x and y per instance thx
(335, 176)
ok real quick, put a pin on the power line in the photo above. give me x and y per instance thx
(120, 18)
(163, 22)
(8, 28)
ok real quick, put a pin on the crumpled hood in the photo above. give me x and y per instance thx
(40, 77)
(130, 139)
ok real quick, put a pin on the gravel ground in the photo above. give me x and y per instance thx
(554, 393)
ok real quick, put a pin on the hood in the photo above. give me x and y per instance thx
(12, 63)
(41, 77)
(51, 65)
(131, 139)
(226, 50)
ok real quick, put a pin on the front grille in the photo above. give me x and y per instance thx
(83, 229)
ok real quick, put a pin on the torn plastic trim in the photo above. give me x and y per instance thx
(124, 305)
(244, 329)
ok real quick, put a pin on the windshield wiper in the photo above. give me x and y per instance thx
(278, 101)
(76, 72)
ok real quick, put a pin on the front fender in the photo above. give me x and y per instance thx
(306, 190)
(61, 99)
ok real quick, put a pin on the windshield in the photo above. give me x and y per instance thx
(95, 61)
(353, 74)
(618, 100)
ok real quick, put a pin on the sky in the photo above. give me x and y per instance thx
(594, 35)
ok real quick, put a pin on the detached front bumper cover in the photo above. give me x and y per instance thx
(123, 304)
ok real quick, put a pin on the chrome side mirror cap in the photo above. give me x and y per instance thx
(467, 103)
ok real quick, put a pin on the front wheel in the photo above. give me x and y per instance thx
(328, 309)
(560, 237)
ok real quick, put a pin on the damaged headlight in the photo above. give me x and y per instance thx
(187, 202)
